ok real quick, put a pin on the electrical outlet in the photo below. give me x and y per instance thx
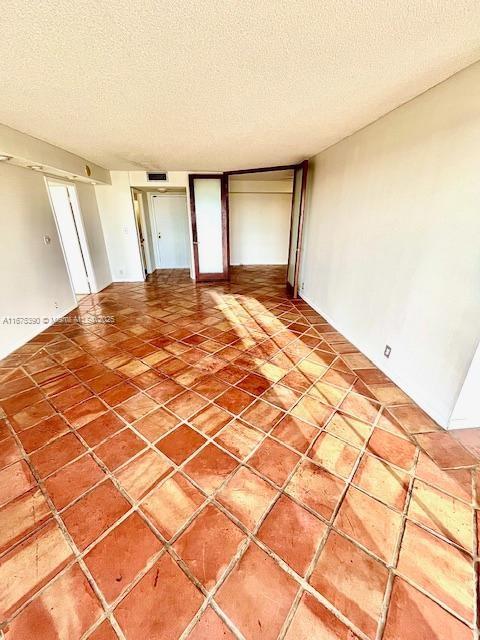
(121, 272)
(388, 351)
(55, 304)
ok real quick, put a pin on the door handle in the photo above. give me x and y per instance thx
(159, 235)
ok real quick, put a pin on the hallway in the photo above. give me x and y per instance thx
(216, 461)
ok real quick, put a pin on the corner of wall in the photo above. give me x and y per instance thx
(117, 218)
(466, 412)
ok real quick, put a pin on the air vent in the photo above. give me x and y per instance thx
(156, 177)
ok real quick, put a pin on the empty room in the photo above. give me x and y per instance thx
(240, 320)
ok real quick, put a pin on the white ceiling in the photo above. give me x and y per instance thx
(220, 84)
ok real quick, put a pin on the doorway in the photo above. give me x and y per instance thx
(139, 212)
(66, 211)
(170, 235)
(259, 218)
(265, 211)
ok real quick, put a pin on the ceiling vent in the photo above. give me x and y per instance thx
(156, 177)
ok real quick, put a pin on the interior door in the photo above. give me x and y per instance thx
(296, 228)
(141, 237)
(171, 231)
(208, 206)
(69, 237)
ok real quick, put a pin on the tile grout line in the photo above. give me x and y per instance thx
(396, 554)
(254, 471)
(66, 537)
(330, 524)
(245, 460)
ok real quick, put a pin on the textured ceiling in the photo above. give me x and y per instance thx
(220, 84)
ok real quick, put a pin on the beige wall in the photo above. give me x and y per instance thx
(259, 221)
(466, 413)
(34, 282)
(392, 249)
(118, 223)
(115, 206)
(34, 278)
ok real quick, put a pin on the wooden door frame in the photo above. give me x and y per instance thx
(140, 227)
(293, 290)
(224, 177)
(238, 172)
(144, 228)
(281, 167)
(221, 275)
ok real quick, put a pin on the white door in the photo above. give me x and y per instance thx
(69, 237)
(171, 240)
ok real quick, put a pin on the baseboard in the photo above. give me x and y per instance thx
(416, 395)
(41, 329)
(462, 423)
(258, 264)
(103, 286)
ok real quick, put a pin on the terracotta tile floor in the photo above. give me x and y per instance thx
(219, 462)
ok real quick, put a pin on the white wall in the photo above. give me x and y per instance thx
(466, 413)
(118, 223)
(34, 281)
(392, 250)
(259, 221)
